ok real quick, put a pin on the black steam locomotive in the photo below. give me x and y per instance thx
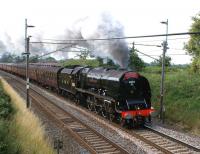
(121, 95)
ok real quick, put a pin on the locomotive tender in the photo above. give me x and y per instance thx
(119, 95)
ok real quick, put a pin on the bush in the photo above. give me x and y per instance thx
(8, 143)
(5, 105)
(195, 67)
(25, 133)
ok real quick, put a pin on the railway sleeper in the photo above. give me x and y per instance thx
(170, 145)
(184, 152)
(94, 137)
(174, 148)
(85, 134)
(161, 143)
(181, 150)
(106, 146)
(75, 126)
(101, 141)
(100, 144)
(94, 140)
(106, 150)
(153, 138)
(79, 129)
(157, 139)
(113, 152)
(90, 135)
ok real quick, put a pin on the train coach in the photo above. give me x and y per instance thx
(121, 95)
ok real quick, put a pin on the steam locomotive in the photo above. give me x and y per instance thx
(120, 95)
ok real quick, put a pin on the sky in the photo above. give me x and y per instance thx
(51, 18)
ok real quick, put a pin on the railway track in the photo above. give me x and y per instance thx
(163, 142)
(86, 136)
(96, 143)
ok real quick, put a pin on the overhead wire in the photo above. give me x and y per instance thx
(147, 55)
(160, 40)
(129, 37)
(115, 38)
(52, 43)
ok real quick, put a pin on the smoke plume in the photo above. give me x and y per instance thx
(106, 27)
(37, 48)
(2, 47)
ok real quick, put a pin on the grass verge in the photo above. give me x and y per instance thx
(182, 99)
(25, 127)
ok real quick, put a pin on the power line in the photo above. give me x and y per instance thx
(52, 43)
(178, 54)
(54, 51)
(172, 39)
(147, 55)
(76, 43)
(114, 38)
(130, 37)
(151, 45)
(169, 55)
(176, 49)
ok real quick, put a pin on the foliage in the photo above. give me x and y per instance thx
(195, 67)
(83, 62)
(22, 138)
(84, 54)
(108, 64)
(12, 58)
(8, 144)
(34, 59)
(135, 63)
(193, 45)
(159, 61)
(7, 57)
(50, 59)
(181, 95)
(18, 59)
(5, 105)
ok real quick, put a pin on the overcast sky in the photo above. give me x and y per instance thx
(138, 17)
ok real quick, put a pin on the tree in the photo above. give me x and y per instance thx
(19, 59)
(193, 45)
(50, 60)
(159, 62)
(109, 63)
(135, 62)
(100, 60)
(34, 59)
(84, 54)
(7, 57)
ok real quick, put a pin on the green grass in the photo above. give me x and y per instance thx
(8, 143)
(182, 95)
(82, 62)
(20, 130)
